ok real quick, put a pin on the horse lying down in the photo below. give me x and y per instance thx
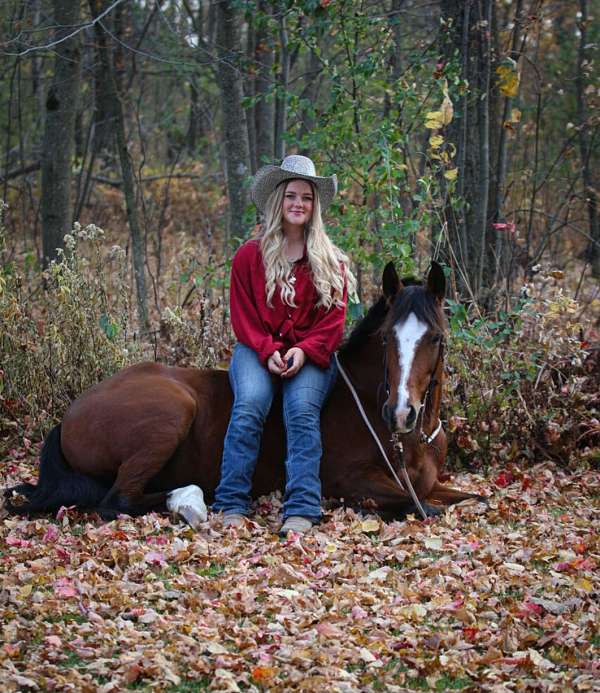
(152, 435)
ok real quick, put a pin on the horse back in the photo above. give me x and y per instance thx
(144, 405)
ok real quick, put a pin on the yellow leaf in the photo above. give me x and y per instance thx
(451, 174)
(515, 115)
(584, 584)
(508, 77)
(447, 110)
(25, 591)
(436, 141)
(434, 120)
(369, 526)
(414, 612)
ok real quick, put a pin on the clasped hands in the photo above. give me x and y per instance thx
(278, 364)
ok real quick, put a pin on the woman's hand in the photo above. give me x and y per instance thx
(275, 364)
(294, 359)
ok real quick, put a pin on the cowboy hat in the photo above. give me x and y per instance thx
(294, 166)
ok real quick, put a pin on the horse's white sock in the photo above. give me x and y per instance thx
(188, 502)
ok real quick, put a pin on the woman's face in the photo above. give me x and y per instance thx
(297, 203)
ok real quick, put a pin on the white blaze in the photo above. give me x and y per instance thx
(408, 335)
(188, 502)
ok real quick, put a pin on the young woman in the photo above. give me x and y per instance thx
(288, 303)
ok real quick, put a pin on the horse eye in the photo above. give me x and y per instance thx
(436, 338)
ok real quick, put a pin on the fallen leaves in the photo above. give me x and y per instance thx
(479, 599)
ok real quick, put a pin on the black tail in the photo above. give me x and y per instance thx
(58, 484)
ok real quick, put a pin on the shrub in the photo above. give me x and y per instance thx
(524, 386)
(66, 334)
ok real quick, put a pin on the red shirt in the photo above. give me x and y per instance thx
(316, 330)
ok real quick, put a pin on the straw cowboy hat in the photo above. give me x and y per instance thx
(268, 178)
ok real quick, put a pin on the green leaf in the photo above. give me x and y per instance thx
(108, 326)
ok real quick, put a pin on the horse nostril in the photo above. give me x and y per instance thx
(386, 413)
(412, 415)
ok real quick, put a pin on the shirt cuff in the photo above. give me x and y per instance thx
(317, 353)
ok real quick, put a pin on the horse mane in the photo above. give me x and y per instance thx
(371, 322)
(416, 299)
(412, 299)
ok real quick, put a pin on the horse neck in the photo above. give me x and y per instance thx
(364, 365)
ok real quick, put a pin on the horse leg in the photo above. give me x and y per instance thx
(160, 442)
(383, 496)
(449, 496)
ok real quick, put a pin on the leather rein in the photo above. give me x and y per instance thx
(397, 443)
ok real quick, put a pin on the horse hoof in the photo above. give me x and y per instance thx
(188, 502)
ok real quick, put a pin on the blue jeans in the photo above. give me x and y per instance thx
(303, 397)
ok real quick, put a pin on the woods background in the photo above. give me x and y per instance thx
(463, 131)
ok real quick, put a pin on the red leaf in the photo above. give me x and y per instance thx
(470, 633)
(504, 479)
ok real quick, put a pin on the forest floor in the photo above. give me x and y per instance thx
(496, 597)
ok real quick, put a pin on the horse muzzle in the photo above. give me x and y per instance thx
(388, 416)
(405, 419)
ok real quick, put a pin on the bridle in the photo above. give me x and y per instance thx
(397, 443)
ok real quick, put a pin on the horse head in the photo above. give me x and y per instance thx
(413, 334)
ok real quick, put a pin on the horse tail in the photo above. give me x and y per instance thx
(58, 484)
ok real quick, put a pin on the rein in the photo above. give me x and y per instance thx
(408, 484)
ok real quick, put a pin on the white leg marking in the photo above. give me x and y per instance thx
(408, 335)
(188, 502)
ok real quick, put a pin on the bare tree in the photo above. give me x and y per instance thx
(264, 110)
(235, 129)
(129, 188)
(59, 133)
(587, 134)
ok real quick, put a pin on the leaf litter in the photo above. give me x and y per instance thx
(497, 598)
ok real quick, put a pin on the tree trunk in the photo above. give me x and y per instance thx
(103, 109)
(249, 86)
(585, 144)
(137, 241)
(467, 33)
(284, 78)
(480, 234)
(235, 131)
(264, 110)
(311, 94)
(191, 138)
(59, 134)
(502, 154)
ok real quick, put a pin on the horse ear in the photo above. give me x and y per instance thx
(436, 281)
(390, 282)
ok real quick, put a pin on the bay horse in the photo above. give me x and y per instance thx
(126, 444)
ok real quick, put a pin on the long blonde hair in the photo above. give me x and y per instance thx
(323, 256)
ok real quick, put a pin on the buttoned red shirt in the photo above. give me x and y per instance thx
(266, 329)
